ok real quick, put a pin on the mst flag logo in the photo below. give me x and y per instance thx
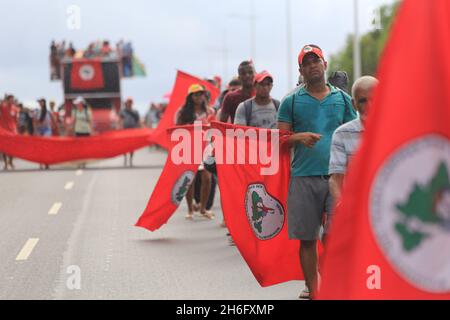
(87, 75)
(181, 187)
(265, 213)
(410, 212)
(86, 72)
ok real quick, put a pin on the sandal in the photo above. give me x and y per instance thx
(305, 294)
(208, 214)
(190, 216)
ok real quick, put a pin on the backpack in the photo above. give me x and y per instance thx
(340, 80)
(248, 105)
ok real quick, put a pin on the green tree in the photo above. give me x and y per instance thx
(372, 45)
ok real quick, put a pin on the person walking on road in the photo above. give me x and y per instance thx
(129, 119)
(346, 139)
(313, 113)
(260, 111)
(82, 120)
(232, 100)
(196, 109)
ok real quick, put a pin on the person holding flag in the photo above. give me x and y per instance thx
(8, 121)
(196, 109)
(313, 112)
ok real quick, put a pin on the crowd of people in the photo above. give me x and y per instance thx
(48, 120)
(326, 123)
(325, 120)
(97, 49)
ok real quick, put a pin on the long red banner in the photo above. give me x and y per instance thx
(65, 149)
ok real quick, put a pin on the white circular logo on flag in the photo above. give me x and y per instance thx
(87, 72)
(182, 186)
(265, 213)
(410, 212)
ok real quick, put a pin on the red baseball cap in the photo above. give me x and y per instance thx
(309, 49)
(260, 77)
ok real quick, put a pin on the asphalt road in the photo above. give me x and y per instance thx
(69, 234)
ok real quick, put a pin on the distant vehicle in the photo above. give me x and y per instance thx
(98, 80)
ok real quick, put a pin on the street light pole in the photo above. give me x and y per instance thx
(289, 44)
(356, 44)
(252, 19)
(253, 29)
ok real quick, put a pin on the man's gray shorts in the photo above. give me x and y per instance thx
(309, 198)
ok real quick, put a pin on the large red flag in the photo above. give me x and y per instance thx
(65, 149)
(87, 74)
(185, 156)
(254, 201)
(177, 99)
(391, 233)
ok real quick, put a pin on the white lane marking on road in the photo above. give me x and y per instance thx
(27, 249)
(55, 208)
(79, 172)
(69, 185)
(73, 243)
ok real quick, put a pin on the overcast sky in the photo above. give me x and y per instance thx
(168, 35)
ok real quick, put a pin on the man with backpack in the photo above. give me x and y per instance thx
(312, 113)
(260, 111)
(129, 119)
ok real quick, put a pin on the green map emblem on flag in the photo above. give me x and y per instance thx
(265, 213)
(181, 187)
(410, 212)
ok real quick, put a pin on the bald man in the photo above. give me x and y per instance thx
(347, 137)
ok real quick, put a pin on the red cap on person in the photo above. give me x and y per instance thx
(309, 49)
(260, 77)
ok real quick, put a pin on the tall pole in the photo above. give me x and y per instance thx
(356, 44)
(252, 20)
(225, 57)
(289, 45)
(253, 29)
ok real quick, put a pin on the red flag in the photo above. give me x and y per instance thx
(177, 99)
(65, 149)
(87, 75)
(185, 156)
(254, 201)
(390, 235)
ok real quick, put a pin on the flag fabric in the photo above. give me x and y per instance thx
(177, 99)
(87, 74)
(138, 68)
(254, 204)
(176, 177)
(56, 150)
(391, 232)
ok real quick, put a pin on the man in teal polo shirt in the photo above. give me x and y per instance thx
(313, 112)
